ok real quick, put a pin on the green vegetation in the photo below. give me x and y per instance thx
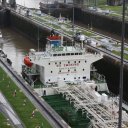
(101, 2)
(117, 9)
(88, 33)
(23, 107)
(66, 28)
(3, 122)
(118, 53)
(95, 2)
(126, 49)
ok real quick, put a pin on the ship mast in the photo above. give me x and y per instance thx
(38, 38)
(121, 67)
(73, 22)
(73, 18)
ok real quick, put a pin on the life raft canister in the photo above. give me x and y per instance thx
(27, 61)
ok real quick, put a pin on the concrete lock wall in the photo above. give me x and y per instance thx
(110, 24)
(4, 17)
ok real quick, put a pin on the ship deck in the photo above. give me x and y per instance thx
(66, 110)
(102, 114)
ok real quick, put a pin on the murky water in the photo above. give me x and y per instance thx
(15, 46)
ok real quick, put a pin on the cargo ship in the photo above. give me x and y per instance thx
(65, 77)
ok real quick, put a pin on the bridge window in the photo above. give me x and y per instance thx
(63, 54)
(79, 61)
(83, 69)
(85, 61)
(64, 78)
(76, 53)
(49, 80)
(49, 63)
(59, 54)
(51, 71)
(60, 62)
(80, 53)
(84, 77)
(72, 53)
(68, 62)
(54, 54)
(74, 61)
(74, 77)
(67, 53)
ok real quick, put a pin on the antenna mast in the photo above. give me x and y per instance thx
(38, 38)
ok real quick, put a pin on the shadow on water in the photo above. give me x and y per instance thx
(111, 71)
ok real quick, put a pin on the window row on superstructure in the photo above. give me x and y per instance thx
(75, 78)
(68, 54)
(67, 62)
(68, 70)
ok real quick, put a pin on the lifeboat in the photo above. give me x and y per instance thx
(27, 61)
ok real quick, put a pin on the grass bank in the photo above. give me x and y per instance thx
(29, 115)
(3, 122)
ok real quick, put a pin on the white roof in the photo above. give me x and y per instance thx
(66, 49)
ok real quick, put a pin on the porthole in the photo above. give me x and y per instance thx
(84, 77)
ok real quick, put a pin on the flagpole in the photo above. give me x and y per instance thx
(38, 38)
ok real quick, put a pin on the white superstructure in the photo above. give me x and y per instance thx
(66, 63)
